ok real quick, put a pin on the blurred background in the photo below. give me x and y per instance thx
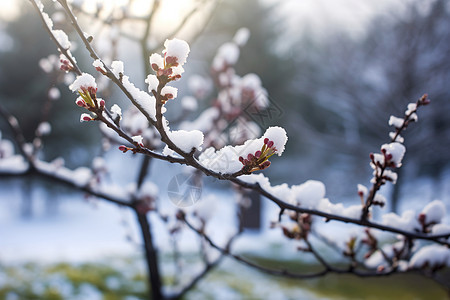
(334, 70)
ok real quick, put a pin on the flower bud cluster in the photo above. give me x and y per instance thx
(168, 68)
(300, 229)
(260, 159)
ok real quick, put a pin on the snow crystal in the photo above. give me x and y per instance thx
(144, 100)
(434, 211)
(157, 59)
(169, 90)
(54, 93)
(407, 222)
(177, 48)
(62, 38)
(432, 256)
(117, 68)
(396, 122)
(241, 36)
(189, 103)
(397, 151)
(186, 140)
(84, 80)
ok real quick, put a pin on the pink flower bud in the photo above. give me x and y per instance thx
(155, 67)
(85, 118)
(80, 102)
(123, 148)
(258, 154)
(172, 60)
(422, 217)
(270, 144)
(101, 103)
(266, 140)
(241, 159)
(250, 157)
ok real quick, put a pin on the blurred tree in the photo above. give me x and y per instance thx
(24, 90)
(403, 55)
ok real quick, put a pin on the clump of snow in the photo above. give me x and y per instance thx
(54, 93)
(158, 60)
(440, 229)
(390, 175)
(398, 137)
(116, 112)
(144, 100)
(117, 68)
(186, 140)
(431, 256)
(278, 136)
(407, 221)
(308, 194)
(152, 82)
(137, 139)
(199, 86)
(434, 211)
(362, 190)
(241, 36)
(148, 189)
(411, 108)
(83, 81)
(177, 48)
(44, 128)
(62, 38)
(227, 54)
(98, 64)
(169, 90)
(396, 122)
(189, 103)
(226, 160)
(396, 150)
(204, 122)
(14, 164)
